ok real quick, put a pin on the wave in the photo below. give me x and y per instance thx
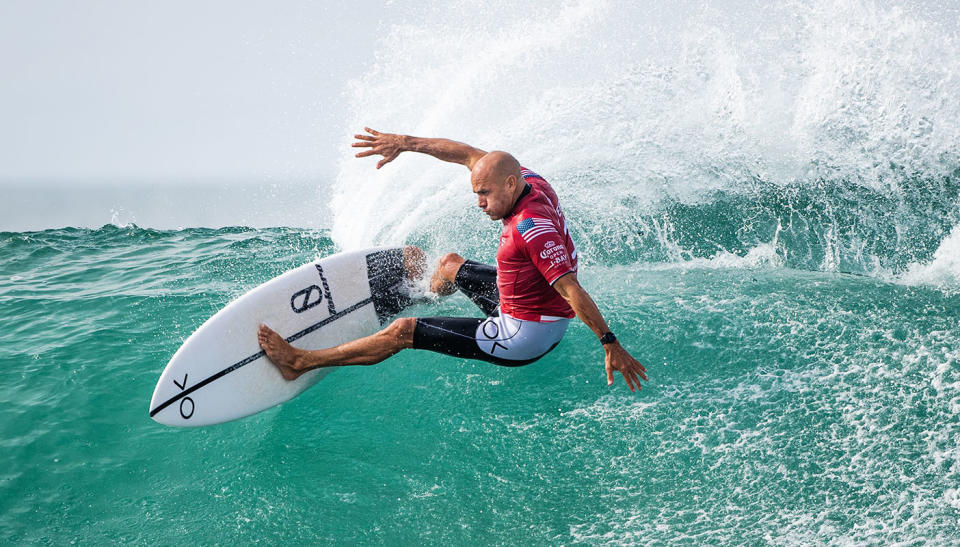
(674, 135)
(943, 270)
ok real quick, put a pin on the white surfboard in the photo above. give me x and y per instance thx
(221, 374)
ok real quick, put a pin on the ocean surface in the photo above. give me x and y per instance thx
(766, 201)
(784, 404)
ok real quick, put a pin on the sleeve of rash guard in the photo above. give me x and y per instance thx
(544, 245)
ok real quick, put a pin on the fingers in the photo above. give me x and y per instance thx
(629, 380)
(636, 381)
(383, 146)
(632, 373)
(636, 372)
(386, 160)
(640, 369)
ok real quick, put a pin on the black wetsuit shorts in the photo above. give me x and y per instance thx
(499, 339)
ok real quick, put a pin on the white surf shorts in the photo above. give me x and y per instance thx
(499, 339)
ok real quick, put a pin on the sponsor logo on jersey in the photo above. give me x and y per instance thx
(553, 252)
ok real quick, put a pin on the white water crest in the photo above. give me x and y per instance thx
(625, 106)
(943, 270)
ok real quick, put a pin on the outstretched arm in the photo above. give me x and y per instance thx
(389, 146)
(586, 309)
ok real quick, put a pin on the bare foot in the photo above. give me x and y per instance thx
(280, 352)
(442, 287)
(443, 277)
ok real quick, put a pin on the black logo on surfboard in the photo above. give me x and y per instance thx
(305, 299)
(186, 402)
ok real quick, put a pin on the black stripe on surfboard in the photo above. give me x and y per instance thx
(255, 356)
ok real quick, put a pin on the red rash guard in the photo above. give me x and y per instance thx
(535, 250)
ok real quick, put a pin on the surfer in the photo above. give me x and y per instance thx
(528, 298)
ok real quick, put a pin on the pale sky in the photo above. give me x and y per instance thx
(174, 91)
(183, 91)
(124, 107)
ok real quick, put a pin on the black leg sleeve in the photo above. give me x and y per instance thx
(479, 282)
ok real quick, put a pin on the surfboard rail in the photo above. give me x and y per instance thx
(235, 378)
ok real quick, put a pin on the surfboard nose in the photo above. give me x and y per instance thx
(220, 373)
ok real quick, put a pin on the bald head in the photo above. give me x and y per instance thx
(496, 166)
(497, 182)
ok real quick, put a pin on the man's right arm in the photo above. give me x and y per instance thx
(389, 146)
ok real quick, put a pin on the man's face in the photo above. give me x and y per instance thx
(494, 197)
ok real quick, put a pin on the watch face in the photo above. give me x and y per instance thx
(608, 338)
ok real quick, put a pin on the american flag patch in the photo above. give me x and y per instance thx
(532, 227)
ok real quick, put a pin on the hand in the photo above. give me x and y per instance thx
(387, 145)
(617, 358)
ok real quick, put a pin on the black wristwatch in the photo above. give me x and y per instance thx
(608, 338)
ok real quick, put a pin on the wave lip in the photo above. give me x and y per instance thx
(800, 99)
(943, 271)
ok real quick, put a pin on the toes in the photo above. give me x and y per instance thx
(265, 334)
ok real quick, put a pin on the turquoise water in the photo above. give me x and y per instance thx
(785, 405)
(766, 200)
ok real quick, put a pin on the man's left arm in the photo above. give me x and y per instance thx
(586, 309)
